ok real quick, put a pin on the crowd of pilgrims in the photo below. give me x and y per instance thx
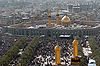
(98, 40)
(45, 53)
(5, 44)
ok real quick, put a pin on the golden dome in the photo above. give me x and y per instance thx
(32, 16)
(65, 19)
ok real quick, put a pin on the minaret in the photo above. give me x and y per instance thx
(49, 19)
(75, 48)
(57, 55)
(57, 17)
(75, 59)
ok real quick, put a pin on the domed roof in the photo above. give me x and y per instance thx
(65, 19)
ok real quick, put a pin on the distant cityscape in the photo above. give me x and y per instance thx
(49, 33)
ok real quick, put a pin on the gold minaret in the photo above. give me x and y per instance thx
(57, 17)
(75, 48)
(57, 55)
(75, 59)
(49, 19)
